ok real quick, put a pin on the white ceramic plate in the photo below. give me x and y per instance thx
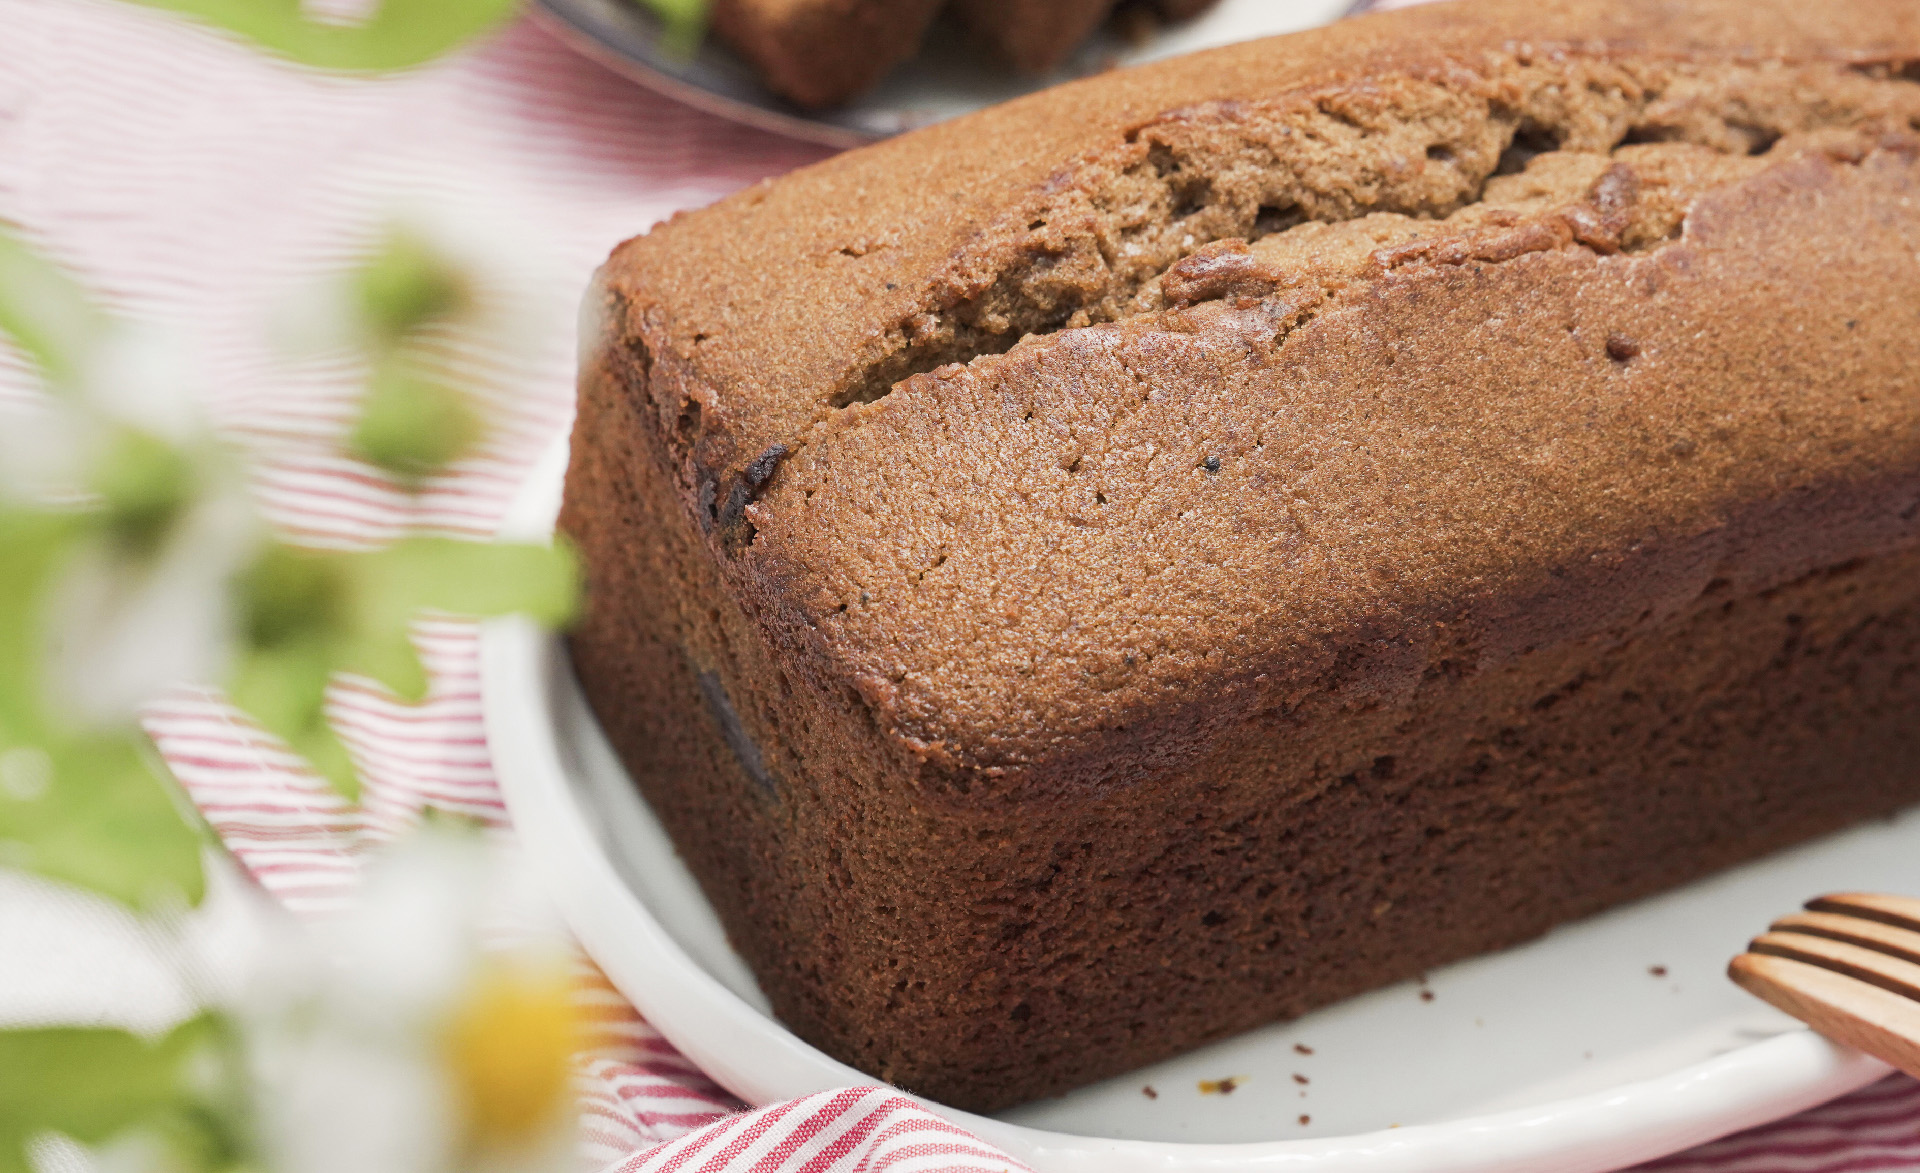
(1605, 1043)
(946, 78)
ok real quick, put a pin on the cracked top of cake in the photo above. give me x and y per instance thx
(1305, 369)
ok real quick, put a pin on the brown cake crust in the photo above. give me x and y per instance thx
(1457, 470)
(818, 53)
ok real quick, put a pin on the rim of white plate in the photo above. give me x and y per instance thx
(757, 1059)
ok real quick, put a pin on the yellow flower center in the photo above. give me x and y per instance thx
(510, 1048)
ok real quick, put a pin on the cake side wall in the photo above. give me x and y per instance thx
(803, 824)
(693, 700)
(987, 957)
(1318, 855)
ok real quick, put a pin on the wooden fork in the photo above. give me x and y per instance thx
(1849, 967)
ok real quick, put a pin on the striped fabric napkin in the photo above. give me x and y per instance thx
(191, 182)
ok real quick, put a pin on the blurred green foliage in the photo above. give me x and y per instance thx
(397, 34)
(313, 613)
(183, 1091)
(93, 808)
(96, 807)
(686, 21)
(90, 807)
(43, 311)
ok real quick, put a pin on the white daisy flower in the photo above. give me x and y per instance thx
(403, 1036)
(125, 623)
(144, 376)
(43, 452)
(144, 601)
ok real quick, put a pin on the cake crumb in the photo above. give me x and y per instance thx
(1148, 1092)
(1303, 1049)
(1621, 348)
(1657, 970)
(1305, 1119)
(1426, 995)
(1299, 1078)
(1221, 1087)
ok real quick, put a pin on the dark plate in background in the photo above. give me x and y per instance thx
(948, 77)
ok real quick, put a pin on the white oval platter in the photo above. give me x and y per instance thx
(1603, 1044)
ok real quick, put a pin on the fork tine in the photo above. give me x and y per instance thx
(1879, 1022)
(1867, 965)
(1899, 911)
(1901, 943)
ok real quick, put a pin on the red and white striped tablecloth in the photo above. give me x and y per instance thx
(195, 183)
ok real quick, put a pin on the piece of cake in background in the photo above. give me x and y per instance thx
(822, 53)
(819, 53)
(1178, 10)
(1033, 36)
(1038, 36)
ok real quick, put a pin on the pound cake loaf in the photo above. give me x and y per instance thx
(1171, 552)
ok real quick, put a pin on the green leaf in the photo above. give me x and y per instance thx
(311, 613)
(31, 546)
(328, 756)
(293, 601)
(478, 579)
(354, 611)
(291, 596)
(686, 22)
(44, 311)
(143, 483)
(411, 425)
(391, 586)
(94, 1084)
(284, 688)
(401, 33)
(388, 656)
(406, 285)
(100, 812)
(94, 809)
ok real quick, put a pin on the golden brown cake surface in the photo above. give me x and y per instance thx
(1169, 552)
